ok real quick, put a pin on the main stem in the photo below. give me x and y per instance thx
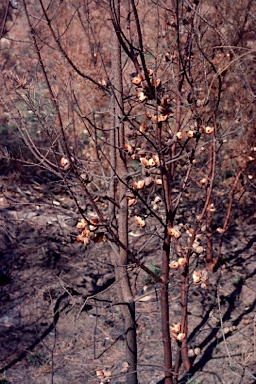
(122, 277)
(164, 296)
(164, 299)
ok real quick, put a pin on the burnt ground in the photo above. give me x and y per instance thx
(56, 321)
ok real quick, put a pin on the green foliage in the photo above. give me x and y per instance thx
(3, 130)
(119, 315)
(237, 280)
(36, 359)
(8, 128)
(226, 174)
(136, 164)
(193, 381)
(156, 270)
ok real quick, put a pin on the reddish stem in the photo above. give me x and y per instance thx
(164, 299)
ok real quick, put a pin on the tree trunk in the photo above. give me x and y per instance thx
(164, 297)
(119, 161)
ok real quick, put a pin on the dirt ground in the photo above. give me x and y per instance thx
(57, 324)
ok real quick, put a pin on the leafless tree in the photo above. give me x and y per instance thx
(160, 111)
